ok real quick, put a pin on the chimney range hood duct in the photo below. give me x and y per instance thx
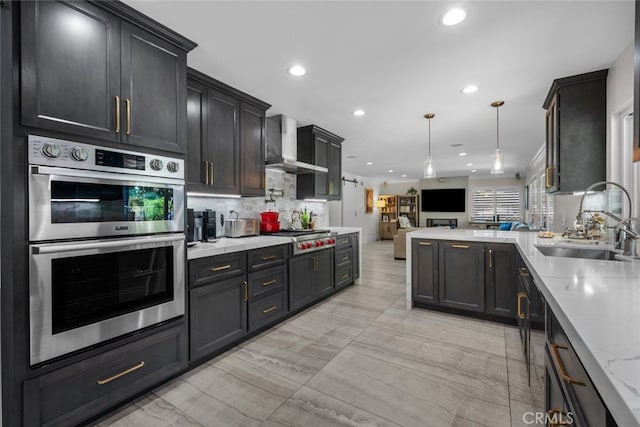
(282, 147)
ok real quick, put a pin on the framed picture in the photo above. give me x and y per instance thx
(368, 200)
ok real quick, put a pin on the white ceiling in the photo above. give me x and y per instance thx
(395, 61)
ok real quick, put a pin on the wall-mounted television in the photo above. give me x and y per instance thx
(444, 200)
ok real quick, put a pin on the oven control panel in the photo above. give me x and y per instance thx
(47, 151)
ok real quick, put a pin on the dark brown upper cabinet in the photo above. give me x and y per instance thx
(576, 132)
(225, 138)
(319, 147)
(89, 71)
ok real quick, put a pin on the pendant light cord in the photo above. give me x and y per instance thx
(498, 128)
(429, 137)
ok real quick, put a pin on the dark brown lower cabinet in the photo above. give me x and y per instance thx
(74, 393)
(424, 280)
(461, 275)
(217, 315)
(500, 279)
(568, 381)
(311, 276)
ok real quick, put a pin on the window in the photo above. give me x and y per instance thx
(486, 203)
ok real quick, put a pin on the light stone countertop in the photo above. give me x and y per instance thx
(225, 245)
(345, 230)
(597, 303)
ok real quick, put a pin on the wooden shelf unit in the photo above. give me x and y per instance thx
(408, 206)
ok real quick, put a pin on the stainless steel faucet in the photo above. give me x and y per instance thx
(623, 235)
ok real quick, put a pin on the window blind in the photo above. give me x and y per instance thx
(488, 202)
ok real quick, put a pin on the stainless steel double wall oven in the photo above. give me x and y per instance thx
(106, 244)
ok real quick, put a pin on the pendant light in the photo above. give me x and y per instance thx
(498, 163)
(429, 171)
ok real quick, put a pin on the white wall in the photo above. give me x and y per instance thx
(398, 187)
(350, 211)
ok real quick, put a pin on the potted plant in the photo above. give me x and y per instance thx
(412, 192)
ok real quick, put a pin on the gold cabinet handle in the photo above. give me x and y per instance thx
(120, 374)
(460, 246)
(315, 263)
(345, 258)
(269, 310)
(344, 276)
(246, 290)
(211, 173)
(117, 114)
(267, 258)
(491, 259)
(269, 282)
(520, 296)
(222, 267)
(206, 172)
(524, 272)
(559, 417)
(563, 371)
(127, 105)
(425, 243)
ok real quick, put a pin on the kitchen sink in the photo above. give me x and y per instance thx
(579, 253)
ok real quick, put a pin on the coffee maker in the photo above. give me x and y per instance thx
(209, 226)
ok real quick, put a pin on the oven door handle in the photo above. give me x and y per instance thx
(51, 248)
(79, 173)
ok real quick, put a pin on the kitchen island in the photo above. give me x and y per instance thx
(596, 302)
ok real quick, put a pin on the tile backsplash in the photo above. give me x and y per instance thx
(250, 207)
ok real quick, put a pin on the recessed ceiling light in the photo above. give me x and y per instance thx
(474, 170)
(369, 163)
(469, 164)
(358, 113)
(469, 89)
(453, 17)
(297, 70)
(462, 154)
(390, 171)
(404, 175)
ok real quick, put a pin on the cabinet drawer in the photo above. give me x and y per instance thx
(343, 256)
(74, 393)
(267, 310)
(267, 281)
(266, 257)
(582, 396)
(220, 267)
(344, 276)
(343, 241)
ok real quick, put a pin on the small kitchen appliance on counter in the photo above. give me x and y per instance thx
(269, 222)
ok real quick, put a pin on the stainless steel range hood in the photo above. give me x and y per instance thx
(282, 147)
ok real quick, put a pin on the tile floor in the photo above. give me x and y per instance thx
(359, 358)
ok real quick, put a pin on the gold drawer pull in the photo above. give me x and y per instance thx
(269, 282)
(345, 258)
(269, 310)
(211, 174)
(121, 374)
(523, 271)
(206, 172)
(520, 296)
(490, 258)
(344, 276)
(563, 371)
(222, 267)
(425, 243)
(460, 246)
(267, 258)
(246, 290)
(117, 114)
(127, 105)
